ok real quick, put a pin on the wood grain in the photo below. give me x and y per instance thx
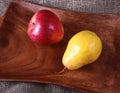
(1, 18)
(21, 60)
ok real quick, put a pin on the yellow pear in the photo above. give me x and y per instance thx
(83, 48)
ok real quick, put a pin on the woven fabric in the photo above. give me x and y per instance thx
(94, 6)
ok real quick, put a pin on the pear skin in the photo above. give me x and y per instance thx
(83, 48)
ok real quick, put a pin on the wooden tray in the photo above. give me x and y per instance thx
(1, 19)
(21, 60)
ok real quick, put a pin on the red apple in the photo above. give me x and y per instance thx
(45, 28)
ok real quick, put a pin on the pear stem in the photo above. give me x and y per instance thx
(62, 70)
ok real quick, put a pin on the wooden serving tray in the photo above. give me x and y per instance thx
(1, 19)
(21, 60)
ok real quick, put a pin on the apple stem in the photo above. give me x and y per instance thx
(62, 70)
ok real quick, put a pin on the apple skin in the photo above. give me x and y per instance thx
(45, 28)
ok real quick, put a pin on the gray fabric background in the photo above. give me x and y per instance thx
(94, 6)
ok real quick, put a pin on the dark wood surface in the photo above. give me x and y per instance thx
(1, 18)
(21, 60)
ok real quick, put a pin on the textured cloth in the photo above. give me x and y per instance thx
(94, 6)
